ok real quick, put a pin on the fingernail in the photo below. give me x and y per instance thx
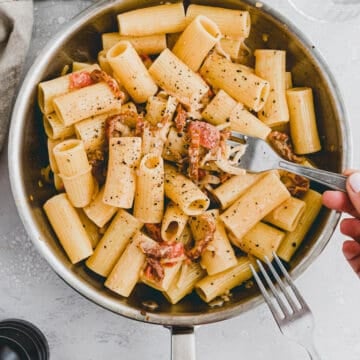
(354, 181)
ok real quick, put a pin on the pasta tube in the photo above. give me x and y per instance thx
(264, 196)
(80, 188)
(91, 229)
(292, 240)
(149, 194)
(113, 243)
(55, 129)
(184, 282)
(99, 212)
(92, 131)
(302, 118)
(212, 286)
(260, 241)
(224, 109)
(163, 284)
(288, 80)
(174, 147)
(245, 122)
(236, 80)
(75, 171)
(232, 23)
(287, 215)
(173, 223)
(52, 161)
(58, 183)
(150, 45)
(124, 157)
(79, 66)
(71, 158)
(219, 254)
(219, 109)
(231, 47)
(159, 108)
(83, 103)
(193, 45)
(228, 192)
(161, 19)
(126, 272)
(131, 71)
(184, 193)
(48, 90)
(177, 79)
(104, 63)
(68, 228)
(270, 65)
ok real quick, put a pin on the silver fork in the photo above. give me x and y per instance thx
(259, 156)
(294, 319)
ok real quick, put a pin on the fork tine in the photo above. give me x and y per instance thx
(239, 136)
(282, 286)
(299, 297)
(265, 294)
(233, 143)
(273, 289)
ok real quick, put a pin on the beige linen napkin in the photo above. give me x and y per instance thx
(16, 19)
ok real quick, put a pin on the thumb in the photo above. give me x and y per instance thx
(353, 189)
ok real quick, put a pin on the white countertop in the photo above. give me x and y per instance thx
(79, 330)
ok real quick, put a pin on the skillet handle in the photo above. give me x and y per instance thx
(332, 180)
(182, 343)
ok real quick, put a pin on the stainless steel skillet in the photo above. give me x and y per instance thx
(80, 41)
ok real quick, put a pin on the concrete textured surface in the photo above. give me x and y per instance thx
(79, 330)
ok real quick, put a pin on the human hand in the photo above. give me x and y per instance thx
(349, 203)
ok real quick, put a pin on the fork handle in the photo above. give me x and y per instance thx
(332, 180)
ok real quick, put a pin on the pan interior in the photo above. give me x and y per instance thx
(81, 42)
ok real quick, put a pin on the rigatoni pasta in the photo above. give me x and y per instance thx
(98, 211)
(128, 67)
(219, 254)
(292, 240)
(232, 23)
(211, 286)
(150, 188)
(161, 19)
(150, 45)
(124, 157)
(75, 171)
(85, 102)
(149, 194)
(287, 215)
(271, 65)
(127, 270)
(199, 37)
(55, 129)
(113, 243)
(302, 116)
(236, 80)
(49, 90)
(68, 228)
(173, 223)
(260, 241)
(176, 78)
(264, 196)
(184, 193)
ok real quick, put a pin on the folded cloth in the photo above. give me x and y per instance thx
(16, 20)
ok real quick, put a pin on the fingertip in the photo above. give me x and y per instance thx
(354, 182)
(353, 189)
(333, 199)
(351, 249)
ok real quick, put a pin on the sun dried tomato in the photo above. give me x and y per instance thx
(209, 135)
(80, 79)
